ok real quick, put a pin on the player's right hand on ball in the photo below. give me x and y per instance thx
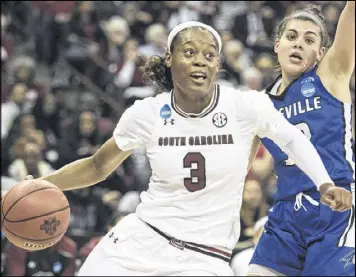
(338, 199)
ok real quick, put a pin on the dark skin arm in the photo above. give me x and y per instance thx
(89, 171)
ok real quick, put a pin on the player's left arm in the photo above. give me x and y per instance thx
(339, 62)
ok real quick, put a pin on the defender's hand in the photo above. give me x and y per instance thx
(338, 199)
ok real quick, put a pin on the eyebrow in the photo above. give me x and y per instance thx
(192, 42)
(307, 32)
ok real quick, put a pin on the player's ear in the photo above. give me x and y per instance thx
(321, 54)
(276, 45)
(168, 59)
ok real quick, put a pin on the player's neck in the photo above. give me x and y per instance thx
(285, 83)
(189, 105)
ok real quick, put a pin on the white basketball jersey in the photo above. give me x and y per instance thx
(199, 162)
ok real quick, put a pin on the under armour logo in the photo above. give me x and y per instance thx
(219, 120)
(177, 243)
(349, 259)
(171, 121)
(116, 239)
(50, 225)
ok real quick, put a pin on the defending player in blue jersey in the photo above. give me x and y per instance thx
(301, 236)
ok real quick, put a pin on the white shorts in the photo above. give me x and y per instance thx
(133, 248)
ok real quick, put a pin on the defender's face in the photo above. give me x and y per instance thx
(299, 48)
(194, 62)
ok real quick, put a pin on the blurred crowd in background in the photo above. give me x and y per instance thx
(71, 68)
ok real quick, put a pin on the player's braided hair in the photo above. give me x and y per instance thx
(157, 73)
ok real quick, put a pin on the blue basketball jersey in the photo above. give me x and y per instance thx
(326, 121)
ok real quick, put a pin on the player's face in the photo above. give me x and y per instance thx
(299, 48)
(194, 63)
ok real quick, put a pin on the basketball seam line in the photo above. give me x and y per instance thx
(13, 204)
(37, 216)
(3, 202)
(33, 239)
(2, 208)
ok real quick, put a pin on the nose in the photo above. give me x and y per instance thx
(199, 60)
(298, 44)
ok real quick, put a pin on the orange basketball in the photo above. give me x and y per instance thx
(35, 214)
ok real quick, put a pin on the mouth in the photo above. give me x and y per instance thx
(198, 77)
(295, 57)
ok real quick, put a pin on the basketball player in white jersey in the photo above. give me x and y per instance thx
(198, 138)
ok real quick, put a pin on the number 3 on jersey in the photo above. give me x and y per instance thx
(306, 131)
(197, 179)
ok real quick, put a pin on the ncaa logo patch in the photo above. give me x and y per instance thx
(219, 120)
(308, 89)
(165, 112)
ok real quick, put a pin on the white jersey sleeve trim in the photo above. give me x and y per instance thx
(348, 137)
